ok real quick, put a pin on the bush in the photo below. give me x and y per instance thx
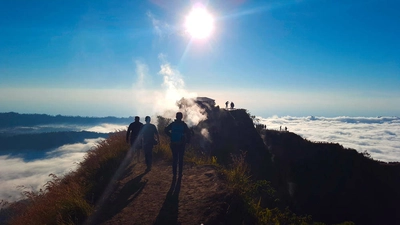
(251, 194)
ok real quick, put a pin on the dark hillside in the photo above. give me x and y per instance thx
(233, 132)
(325, 180)
(334, 184)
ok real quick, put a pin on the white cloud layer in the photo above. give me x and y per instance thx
(106, 128)
(15, 172)
(379, 136)
(99, 128)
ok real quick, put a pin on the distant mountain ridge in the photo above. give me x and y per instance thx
(36, 133)
(45, 141)
(13, 119)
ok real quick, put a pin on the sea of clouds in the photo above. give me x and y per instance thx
(18, 174)
(379, 136)
(100, 128)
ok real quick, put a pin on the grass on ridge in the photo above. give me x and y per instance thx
(70, 200)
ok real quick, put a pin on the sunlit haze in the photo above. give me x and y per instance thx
(127, 58)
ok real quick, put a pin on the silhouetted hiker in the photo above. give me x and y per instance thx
(132, 134)
(285, 128)
(180, 134)
(148, 133)
(280, 128)
(226, 104)
(232, 105)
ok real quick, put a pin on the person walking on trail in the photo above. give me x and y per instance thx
(232, 105)
(132, 135)
(148, 134)
(180, 134)
(226, 104)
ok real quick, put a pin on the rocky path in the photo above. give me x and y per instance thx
(155, 197)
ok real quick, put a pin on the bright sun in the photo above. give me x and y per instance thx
(199, 23)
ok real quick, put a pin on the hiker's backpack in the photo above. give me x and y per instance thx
(178, 133)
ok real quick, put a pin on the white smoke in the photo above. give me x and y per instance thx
(165, 101)
(173, 92)
(193, 114)
(205, 134)
(173, 86)
(142, 97)
(161, 29)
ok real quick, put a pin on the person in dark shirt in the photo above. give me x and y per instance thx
(148, 134)
(132, 135)
(179, 134)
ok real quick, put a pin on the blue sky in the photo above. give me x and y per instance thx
(122, 58)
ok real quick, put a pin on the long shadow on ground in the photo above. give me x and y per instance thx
(127, 194)
(169, 212)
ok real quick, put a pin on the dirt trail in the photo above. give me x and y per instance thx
(155, 197)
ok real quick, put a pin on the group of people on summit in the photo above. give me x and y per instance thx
(145, 136)
(232, 105)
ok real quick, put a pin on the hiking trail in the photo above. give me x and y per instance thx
(155, 197)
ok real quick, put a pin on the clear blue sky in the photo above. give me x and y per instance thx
(299, 57)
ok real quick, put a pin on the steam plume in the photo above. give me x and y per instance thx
(175, 98)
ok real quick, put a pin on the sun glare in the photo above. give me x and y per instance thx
(199, 23)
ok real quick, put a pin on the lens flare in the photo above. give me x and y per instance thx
(199, 23)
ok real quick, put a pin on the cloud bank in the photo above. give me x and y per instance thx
(379, 136)
(18, 175)
(99, 128)
(106, 128)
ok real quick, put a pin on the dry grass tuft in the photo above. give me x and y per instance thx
(69, 200)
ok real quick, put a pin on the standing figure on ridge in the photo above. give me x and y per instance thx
(148, 134)
(226, 104)
(132, 134)
(180, 134)
(232, 105)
